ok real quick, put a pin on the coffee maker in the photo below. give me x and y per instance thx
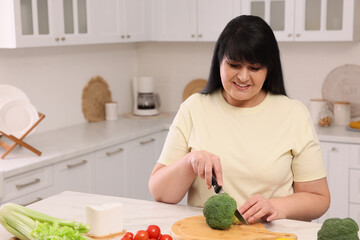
(146, 102)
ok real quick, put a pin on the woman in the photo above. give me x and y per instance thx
(260, 145)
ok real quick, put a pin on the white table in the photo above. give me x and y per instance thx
(138, 214)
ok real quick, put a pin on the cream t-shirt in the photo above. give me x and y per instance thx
(263, 149)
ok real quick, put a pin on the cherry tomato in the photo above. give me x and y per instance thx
(153, 239)
(141, 235)
(130, 235)
(159, 237)
(166, 237)
(153, 231)
(126, 238)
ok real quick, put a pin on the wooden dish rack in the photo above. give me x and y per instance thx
(19, 141)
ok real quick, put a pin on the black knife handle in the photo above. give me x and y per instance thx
(216, 186)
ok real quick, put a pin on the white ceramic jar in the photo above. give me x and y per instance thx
(341, 113)
(316, 105)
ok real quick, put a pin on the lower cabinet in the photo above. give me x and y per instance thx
(110, 170)
(75, 174)
(342, 161)
(28, 187)
(121, 170)
(142, 156)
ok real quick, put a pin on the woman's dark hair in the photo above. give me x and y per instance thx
(248, 39)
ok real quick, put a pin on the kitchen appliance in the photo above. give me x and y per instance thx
(218, 189)
(146, 102)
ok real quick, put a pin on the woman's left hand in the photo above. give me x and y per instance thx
(258, 207)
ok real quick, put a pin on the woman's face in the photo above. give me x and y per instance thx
(242, 83)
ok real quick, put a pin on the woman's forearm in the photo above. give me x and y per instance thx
(310, 201)
(301, 206)
(170, 183)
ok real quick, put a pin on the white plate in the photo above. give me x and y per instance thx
(8, 92)
(17, 116)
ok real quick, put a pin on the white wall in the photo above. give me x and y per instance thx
(305, 66)
(53, 77)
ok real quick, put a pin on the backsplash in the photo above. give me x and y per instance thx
(54, 77)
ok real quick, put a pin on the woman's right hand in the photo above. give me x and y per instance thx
(206, 164)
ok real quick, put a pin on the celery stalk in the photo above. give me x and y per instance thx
(27, 224)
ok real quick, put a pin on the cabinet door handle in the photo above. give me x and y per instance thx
(122, 36)
(298, 35)
(20, 186)
(200, 35)
(128, 36)
(333, 149)
(114, 152)
(76, 164)
(192, 35)
(57, 39)
(63, 39)
(147, 141)
(37, 199)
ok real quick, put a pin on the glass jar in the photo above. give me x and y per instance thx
(325, 116)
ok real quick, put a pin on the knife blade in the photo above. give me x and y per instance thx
(218, 189)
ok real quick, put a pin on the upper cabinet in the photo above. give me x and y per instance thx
(32, 23)
(308, 20)
(29, 23)
(191, 20)
(119, 20)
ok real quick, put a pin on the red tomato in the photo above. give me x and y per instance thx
(153, 239)
(166, 237)
(153, 231)
(141, 235)
(129, 235)
(126, 238)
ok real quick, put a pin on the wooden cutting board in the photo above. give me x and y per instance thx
(195, 228)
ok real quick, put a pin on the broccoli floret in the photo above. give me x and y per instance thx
(219, 211)
(338, 229)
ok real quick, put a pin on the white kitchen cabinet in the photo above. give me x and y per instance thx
(110, 171)
(192, 20)
(308, 20)
(337, 162)
(278, 14)
(32, 23)
(34, 197)
(75, 174)
(143, 154)
(119, 20)
(18, 186)
(354, 207)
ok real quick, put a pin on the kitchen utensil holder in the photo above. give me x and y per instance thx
(19, 141)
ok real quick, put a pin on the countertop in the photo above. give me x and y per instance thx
(338, 134)
(138, 214)
(83, 138)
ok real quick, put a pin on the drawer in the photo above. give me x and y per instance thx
(27, 182)
(34, 197)
(354, 186)
(355, 156)
(111, 151)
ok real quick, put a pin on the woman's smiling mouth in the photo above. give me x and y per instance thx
(241, 86)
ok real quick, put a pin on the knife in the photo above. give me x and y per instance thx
(218, 189)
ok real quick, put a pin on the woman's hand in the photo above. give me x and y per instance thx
(205, 164)
(258, 207)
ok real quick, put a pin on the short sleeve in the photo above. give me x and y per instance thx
(308, 164)
(176, 143)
